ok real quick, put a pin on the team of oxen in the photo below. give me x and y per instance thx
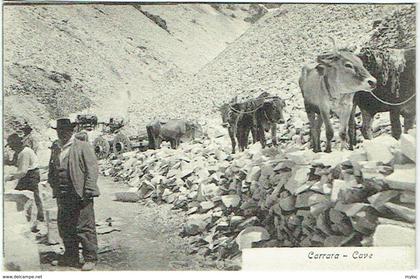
(338, 83)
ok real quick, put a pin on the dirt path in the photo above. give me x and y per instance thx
(148, 239)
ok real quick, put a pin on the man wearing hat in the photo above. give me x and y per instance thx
(27, 173)
(73, 174)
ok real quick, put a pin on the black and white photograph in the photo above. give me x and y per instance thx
(208, 136)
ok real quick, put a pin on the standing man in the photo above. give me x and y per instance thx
(26, 161)
(73, 174)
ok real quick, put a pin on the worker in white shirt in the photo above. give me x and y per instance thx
(27, 172)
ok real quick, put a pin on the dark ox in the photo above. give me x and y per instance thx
(172, 131)
(330, 86)
(257, 116)
(369, 105)
(229, 121)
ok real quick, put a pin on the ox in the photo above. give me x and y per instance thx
(330, 86)
(267, 113)
(398, 100)
(173, 131)
(255, 115)
(232, 119)
(229, 121)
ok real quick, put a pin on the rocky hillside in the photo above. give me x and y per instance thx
(167, 60)
(64, 58)
(271, 53)
(398, 30)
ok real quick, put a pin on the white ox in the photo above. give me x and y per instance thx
(330, 86)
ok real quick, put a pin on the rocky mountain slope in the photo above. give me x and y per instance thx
(270, 55)
(64, 58)
(166, 61)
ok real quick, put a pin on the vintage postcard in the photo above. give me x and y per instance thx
(146, 136)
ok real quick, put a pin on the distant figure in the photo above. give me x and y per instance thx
(28, 137)
(27, 173)
(73, 174)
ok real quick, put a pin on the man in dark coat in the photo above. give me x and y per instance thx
(73, 174)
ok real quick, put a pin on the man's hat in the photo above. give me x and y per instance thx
(64, 124)
(14, 140)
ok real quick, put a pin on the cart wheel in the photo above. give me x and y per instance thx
(101, 147)
(121, 144)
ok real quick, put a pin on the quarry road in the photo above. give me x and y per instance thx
(148, 238)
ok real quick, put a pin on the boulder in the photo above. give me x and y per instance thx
(196, 224)
(248, 223)
(20, 198)
(302, 157)
(334, 241)
(318, 208)
(287, 203)
(317, 238)
(192, 210)
(130, 195)
(279, 179)
(340, 223)
(408, 197)
(403, 212)
(322, 223)
(338, 186)
(357, 156)
(408, 146)
(134, 182)
(400, 158)
(20, 253)
(267, 170)
(331, 159)
(231, 200)
(284, 165)
(253, 174)
(354, 194)
(364, 221)
(372, 175)
(351, 209)
(217, 213)
(403, 179)
(386, 221)
(299, 177)
(379, 199)
(303, 188)
(393, 235)
(208, 192)
(378, 151)
(250, 235)
(187, 170)
(235, 220)
(206, 206)
(203, 174)
(309, 198)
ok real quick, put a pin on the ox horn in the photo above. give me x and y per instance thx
(334, 44)
(358, 49)
(216, 105)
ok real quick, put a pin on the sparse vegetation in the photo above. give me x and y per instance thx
(155, 18)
